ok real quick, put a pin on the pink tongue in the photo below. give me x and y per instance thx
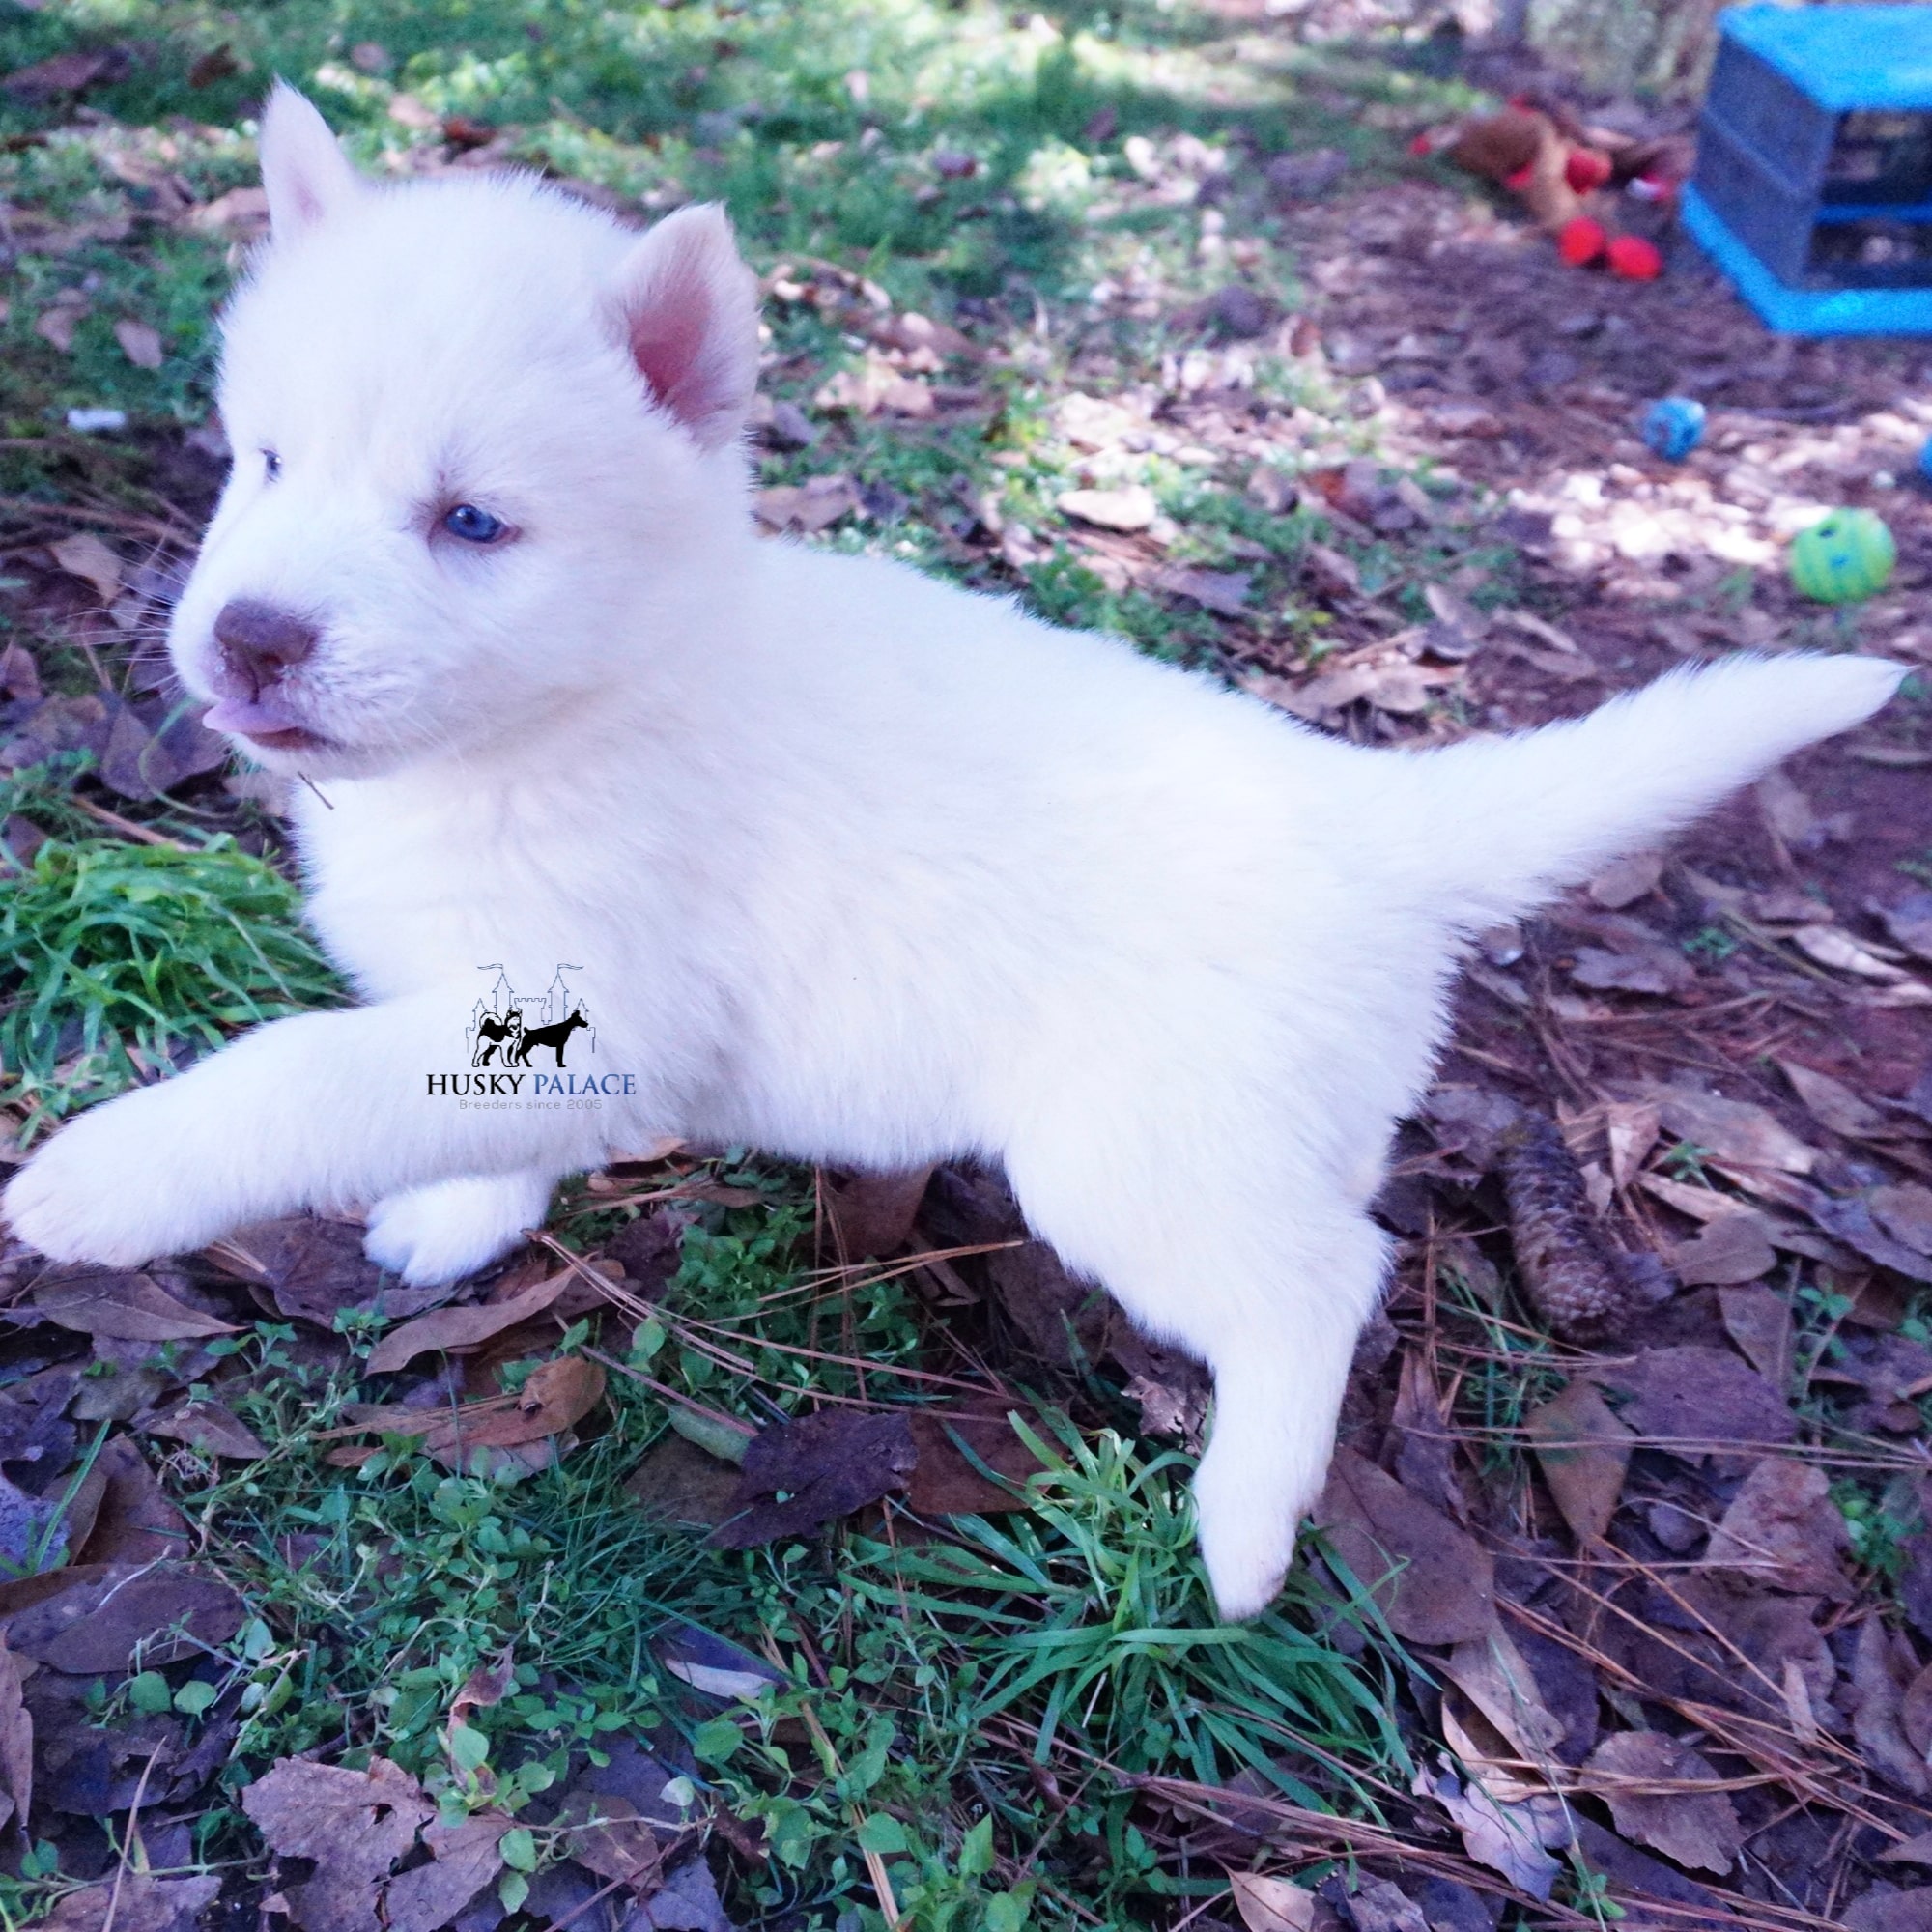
(249, 717)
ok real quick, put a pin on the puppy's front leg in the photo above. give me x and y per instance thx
(320, 1111)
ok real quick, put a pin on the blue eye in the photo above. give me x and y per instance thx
(472, 525)
(271, 465)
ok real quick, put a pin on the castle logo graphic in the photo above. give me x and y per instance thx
(518, 1046)
(507, 1027)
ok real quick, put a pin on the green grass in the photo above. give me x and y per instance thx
(985, 1690)
(116, 956)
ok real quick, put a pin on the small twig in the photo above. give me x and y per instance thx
(127, 827)
(570, 1918)
(128, 1839)
(875, 1865)
(117, 520)
(712, 1415)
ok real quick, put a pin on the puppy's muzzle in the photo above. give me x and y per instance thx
(259, 644)
(256, 647)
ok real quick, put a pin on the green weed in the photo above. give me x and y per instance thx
(117, 958)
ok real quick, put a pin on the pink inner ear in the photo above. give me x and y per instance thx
(309, 209)
(672, 343)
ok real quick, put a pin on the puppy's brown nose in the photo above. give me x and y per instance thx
(259, 643)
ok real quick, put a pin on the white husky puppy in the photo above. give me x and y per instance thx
(837, 862)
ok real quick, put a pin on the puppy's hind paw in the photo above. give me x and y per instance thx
(1247, 1561)
(1247, 1512)
(453, 1228)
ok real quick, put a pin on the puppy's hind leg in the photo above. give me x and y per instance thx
(1271, 1294)
(453, 1228)
(1278, 1388)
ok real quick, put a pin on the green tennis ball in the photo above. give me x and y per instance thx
(1846, 556)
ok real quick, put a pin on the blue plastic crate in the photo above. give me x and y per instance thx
(1813, 189)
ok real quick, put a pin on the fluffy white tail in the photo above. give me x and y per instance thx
(1508, 821)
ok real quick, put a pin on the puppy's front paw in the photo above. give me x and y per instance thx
(440, 1232)
(109, 1187)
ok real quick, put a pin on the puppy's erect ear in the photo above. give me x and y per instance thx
(688, 309)
(304, 168)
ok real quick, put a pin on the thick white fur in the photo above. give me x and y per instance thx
(856, 867)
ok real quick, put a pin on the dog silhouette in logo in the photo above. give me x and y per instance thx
(493, 1032)
(551, 1035)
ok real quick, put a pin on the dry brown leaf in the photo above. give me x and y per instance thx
(877, 387)
(1910, 923)
(944, 1483)
(140, 343)
(96, 1616)
(139, 1902)
(488, 1685)
(1225, 592)
(1380, 1905)
(1584, 1450)
(1834, 1104)
(557, 1396)
(119, 1514)
(1833, 947)
(16, 1744)
(807, 507)
(1733, 1130)
(353, 1824)
(314, 1268)
(1495, 1677)
(72, 73)
(455, 1330)
(1731, 1248)
(1882, 1666)
(1884, 1909)
(126, 1307)
(1130, 507)
(1272, 1904)
(1509, 1838)
(211, 1430)
(56, 326)
(872, 1214)
(1423, 1436)
(912, 332)
(605, 1834)
(1783, 1529)
(1758, 1319)
(86, 557)
(243, 213)
(680, 1481)
(1915, 1713)
(1695, 1399)
(1434, 1583)
(1652, 969)
(20, 678)
(1905, 1214)
(823, 1466)
(1626, 880)
(463, 1858)
(1630, 1131)
(1641, 1775)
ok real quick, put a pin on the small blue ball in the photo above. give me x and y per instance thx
(1674, 427)
(1925, 460)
